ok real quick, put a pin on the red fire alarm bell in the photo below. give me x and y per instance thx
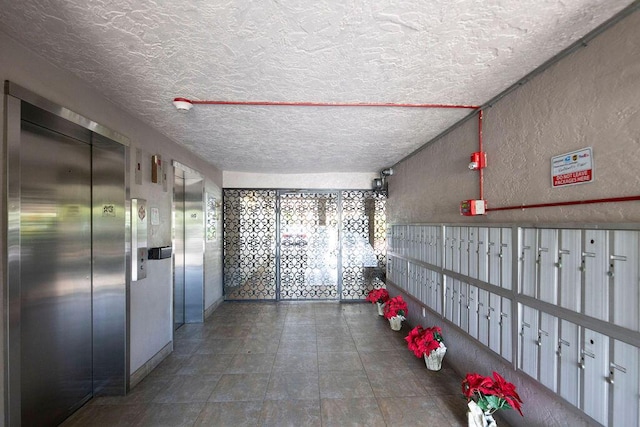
(478, 160)
(472, 207)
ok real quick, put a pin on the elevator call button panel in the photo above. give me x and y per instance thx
(139, 252)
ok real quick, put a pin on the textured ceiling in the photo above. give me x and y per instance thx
(142, 54)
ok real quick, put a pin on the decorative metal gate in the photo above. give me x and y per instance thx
(249, 244)
(303, 245)
(363, 243)
(309, 245)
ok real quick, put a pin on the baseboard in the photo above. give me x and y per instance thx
(146, 369)
(209, 311)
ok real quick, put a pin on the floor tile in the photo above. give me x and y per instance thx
(291, 413)
(339, 361)
(105, 416)
(409, 411)
(240, 387)
(351, 412)
(237, 414)
(296, 362)
(170, 414)
(251, 363)
(187, 388)
(338, 384)
(221, 346)
(293, 385)
(206, 364)
(336, 343)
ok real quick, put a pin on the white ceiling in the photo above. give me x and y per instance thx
(142, 54)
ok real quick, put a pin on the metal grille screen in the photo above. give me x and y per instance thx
(309, 246)
(303, 245)
(249, 244)
(363, 243)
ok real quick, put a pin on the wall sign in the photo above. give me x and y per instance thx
(572, 168)
(212, 219)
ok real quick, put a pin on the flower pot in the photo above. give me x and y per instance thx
(477, 418)
(380, 308)
(434, 359)
(396, 322)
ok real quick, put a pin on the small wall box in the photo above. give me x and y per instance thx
(160, 253)
(473, 207)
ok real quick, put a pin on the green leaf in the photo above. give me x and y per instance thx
(494, 402)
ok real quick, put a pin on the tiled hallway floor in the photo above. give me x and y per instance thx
(287, 364)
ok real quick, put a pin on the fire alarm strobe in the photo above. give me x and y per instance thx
(473, 207)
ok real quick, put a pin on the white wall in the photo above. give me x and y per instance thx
(151, 325)
(589, 99)
(350, 181)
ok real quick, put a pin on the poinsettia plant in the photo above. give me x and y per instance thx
(380, 295)
(423, 341)
(396, 306)
(492, 394)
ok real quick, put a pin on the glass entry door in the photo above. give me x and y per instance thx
(309, 245)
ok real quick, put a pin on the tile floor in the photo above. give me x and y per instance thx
(287, 364)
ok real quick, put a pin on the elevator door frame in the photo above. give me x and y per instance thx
(110, 375)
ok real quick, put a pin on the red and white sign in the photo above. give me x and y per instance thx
(572, 168)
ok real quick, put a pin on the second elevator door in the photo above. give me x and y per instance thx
(309, 244)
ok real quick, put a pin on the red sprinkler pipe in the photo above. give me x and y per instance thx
(570, 203)
(481, 170)
(327, 104)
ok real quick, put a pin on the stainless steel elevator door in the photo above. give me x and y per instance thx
(55, 269)
(309, 245)
(189, 247)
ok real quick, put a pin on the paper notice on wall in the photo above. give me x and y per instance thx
(572, 168)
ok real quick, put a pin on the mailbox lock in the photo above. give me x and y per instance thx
(610, 377)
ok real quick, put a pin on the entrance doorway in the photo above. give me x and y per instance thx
(303, 245)
(309, 245)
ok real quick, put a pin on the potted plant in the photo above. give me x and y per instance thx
(427, 343)
(379, 297)
(491, 394)
(395, 310)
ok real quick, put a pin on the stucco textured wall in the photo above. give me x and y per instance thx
(589, 99)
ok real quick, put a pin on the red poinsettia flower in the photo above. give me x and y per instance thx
(476, 383)
(423, 341)
(492, 393)
(380, 295)
(396, 306)
(507, 391)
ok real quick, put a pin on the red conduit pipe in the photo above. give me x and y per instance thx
(570, 203)
(354, 104)
(481, 170)
(327, 104)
